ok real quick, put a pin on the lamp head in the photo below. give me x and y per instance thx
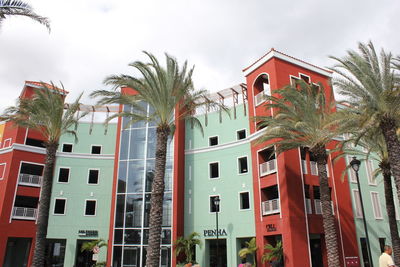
(355, 164)
(216, 201)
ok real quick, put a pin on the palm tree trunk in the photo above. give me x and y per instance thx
(388, 127)
(327, 217)
(390, 208)
(44, 206)
(156, 201)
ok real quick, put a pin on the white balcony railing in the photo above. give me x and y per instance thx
(24, 213)
(268, 167)
(304, 166)
(308, 206)
(313, 168)
(29, 179)
(270, 207)
(259, 98)
(318, 207)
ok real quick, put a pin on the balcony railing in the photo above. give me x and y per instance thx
(29, 179)
(308, 206)
(268, 167)
(270, 206)
(304, 166)
(24, 213)
(314, 168)
(259, 98)
(318, 207)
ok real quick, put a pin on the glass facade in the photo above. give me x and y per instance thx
(135, 177)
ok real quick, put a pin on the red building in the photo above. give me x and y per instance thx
(293, 186)
(22, 157)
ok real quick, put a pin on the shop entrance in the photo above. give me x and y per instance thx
(83, 258)
(316, 251)
(215, 261)
(17, 252)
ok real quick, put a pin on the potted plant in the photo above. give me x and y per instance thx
(274, 254)
(250, 249)
(186, 246)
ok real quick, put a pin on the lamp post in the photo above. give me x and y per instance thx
(216, 203)
(355, 165)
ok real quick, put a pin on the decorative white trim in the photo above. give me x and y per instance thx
(4, 170)
(5, 142)
(286, 58)
(379, 206)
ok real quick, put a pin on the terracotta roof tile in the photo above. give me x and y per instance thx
(49, 86)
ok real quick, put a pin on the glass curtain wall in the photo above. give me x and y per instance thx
(135, 176)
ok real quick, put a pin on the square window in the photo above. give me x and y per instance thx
(96, 150)
(59, 206)
(67, 148)
(93, 177)
(213, 206)
(241, 134)
(213, 141)
(244, 201)
(63, 175)
(242, 163)
(214, 170)
(90, 208)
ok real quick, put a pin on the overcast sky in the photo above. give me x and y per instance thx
(91, 39)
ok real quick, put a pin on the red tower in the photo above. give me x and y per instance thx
(286, 187)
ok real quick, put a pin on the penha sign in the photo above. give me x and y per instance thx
(212, 233)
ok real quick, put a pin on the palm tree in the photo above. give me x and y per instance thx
(169, 91)
(45, 113)
(20, 8)
(305, 118)
(187, 246)
(374, 144)
(274, 253)
(369, 83)
(250, 249)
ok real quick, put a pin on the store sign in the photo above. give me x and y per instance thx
(271, 228)
(221, 232)
(88, 233)
(352, 261)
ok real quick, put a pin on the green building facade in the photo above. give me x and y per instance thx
(218, 163)
(81, 195)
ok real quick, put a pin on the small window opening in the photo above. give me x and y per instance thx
(67, 148)
(214, 170)
(241, 134)
(90, 209)
(213, 141)
(96, 149)
(243, 165)
(93, 177)
(244, 201)
(63, 175)
(59, 206)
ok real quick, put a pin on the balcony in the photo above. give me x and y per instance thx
(308, 206)
(268, 167)
(29, 179)
(318, 207)
(270, 207)
(304, 166)
(313, 168)
(259, 98)
(22, 213)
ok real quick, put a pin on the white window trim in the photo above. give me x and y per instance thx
(291, 77)
(209, 170)
(72, 150)
(245, 134)
(254, 96)
(213, 137)
(379, 204)
(351, 173)
(95, 207)
(98, 176)
(65, 206)
(4, 170)
(370, 175)
(5, 142)
(239, 194)
(355, 203)
(91, 148)
(305, 75)
(58, 176)
(209, 202)
(238, 165)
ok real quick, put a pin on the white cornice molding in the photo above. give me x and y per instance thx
(274, 53)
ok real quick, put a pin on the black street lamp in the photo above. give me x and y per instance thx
(355, 165)
(216, 203)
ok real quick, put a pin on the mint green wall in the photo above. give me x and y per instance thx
(377, 228)
(78, 190)
(198, 185)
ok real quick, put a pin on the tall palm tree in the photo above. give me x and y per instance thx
(305, 118)
(20, 8)
(45, 113)
(374, 144)
(169, 91)
(250, 249)
(187, 246)
(369, 83)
